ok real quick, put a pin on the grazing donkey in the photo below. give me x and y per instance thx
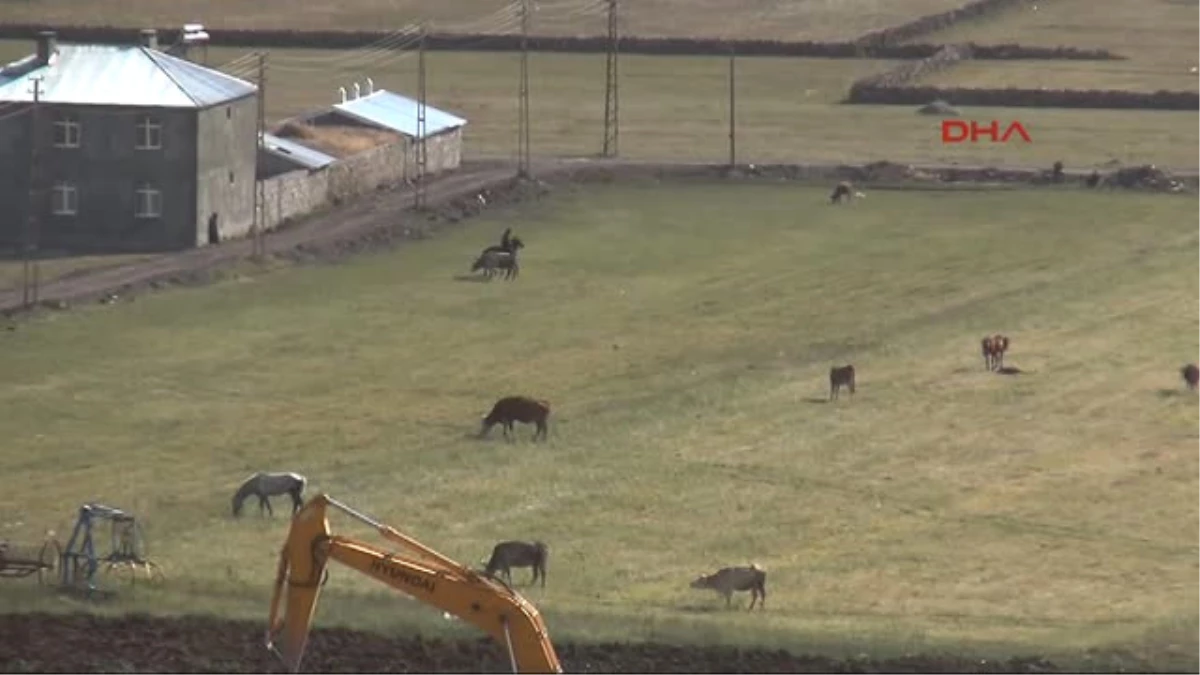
(522, 409)
(1191, 374)
(266, 485)
(509, 554)
(993, 348)
(840, 377)
(729, 579)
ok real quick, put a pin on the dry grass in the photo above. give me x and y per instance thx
(1158, 36)
(337, 140)
(766, 19)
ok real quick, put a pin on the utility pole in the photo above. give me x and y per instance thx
(732, 110)
(422, 158)
(260, 200)
(611, 93)
(523, 96)
(29, 271)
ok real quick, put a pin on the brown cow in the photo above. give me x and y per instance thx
(840, 377)
(993, 348)
(729, 579)
(509, 554)
(1191, 374)
(843, 191)
(522, 409)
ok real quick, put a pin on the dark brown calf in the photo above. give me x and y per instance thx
(843, 190)
(840, 377)
(509, 554)
(521, 409)
(1191, 374)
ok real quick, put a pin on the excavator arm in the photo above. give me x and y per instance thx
(433, 579)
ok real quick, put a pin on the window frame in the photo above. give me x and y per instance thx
(71, 131)
(64, 199)
(144, 196)
(146, 126)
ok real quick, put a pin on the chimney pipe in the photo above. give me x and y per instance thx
(47, 45)
(149, 38)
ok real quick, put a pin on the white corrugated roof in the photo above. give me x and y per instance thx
(398, 113)
(296, 152)
(121, 75)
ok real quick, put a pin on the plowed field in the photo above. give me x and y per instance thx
(142, 644)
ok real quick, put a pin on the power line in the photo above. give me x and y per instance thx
(30, 268)
(732, 109)
(523, 97)
(260, 201)
(419, 194)
(611, 92)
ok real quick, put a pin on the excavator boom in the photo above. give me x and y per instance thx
(432, 579)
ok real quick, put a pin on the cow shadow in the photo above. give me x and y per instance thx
(1169, 393)
(711, 608)
(816, 401)
(471, 278)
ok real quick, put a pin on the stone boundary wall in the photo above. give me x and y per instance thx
(296, 193)
(876, 48)
(932, 23)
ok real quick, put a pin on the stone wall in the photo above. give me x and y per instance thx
(296, 193)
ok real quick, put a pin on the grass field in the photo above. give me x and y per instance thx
(761, 19)
(1158, 36)
(12, 268)
(684, 341)
(677, 108)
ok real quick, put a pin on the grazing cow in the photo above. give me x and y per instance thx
(1191, 374)
(840, 377)
(502, 257)
(993, 348)
(729, 579)
(843, 191)
(522, 409)
(509, 554)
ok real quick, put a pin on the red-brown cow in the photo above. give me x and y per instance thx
(1191, 374)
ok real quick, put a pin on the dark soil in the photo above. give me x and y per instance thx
(84, 643)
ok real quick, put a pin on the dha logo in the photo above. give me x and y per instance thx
(958, 131)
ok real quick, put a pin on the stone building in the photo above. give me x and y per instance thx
(128, 149)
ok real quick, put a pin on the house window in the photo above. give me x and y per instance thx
(65, 201)
(66, 132)
(228, 112)
(149, 133)
(231, 178)
(149, 202)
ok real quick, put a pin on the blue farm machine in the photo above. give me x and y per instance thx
(124, 558)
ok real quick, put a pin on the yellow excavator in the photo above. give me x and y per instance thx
(431, 578)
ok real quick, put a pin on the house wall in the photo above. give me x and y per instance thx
(297, 193)
(107, 169)
(14, 177)
(225, 166)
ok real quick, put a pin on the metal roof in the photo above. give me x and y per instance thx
(124, 75)
(295, 152)
(398, 113)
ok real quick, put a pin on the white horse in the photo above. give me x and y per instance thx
(266, 485)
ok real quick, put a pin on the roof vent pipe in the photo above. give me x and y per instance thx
(343, 92)
(357, 91)
(149, 38)
(370, 86)
(47, 44)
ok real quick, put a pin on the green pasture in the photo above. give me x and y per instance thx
(683, 335)
(754, 19)
(1159, 38)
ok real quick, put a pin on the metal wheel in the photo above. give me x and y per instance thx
(50, 556)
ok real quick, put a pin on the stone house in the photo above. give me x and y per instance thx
(128, 149)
